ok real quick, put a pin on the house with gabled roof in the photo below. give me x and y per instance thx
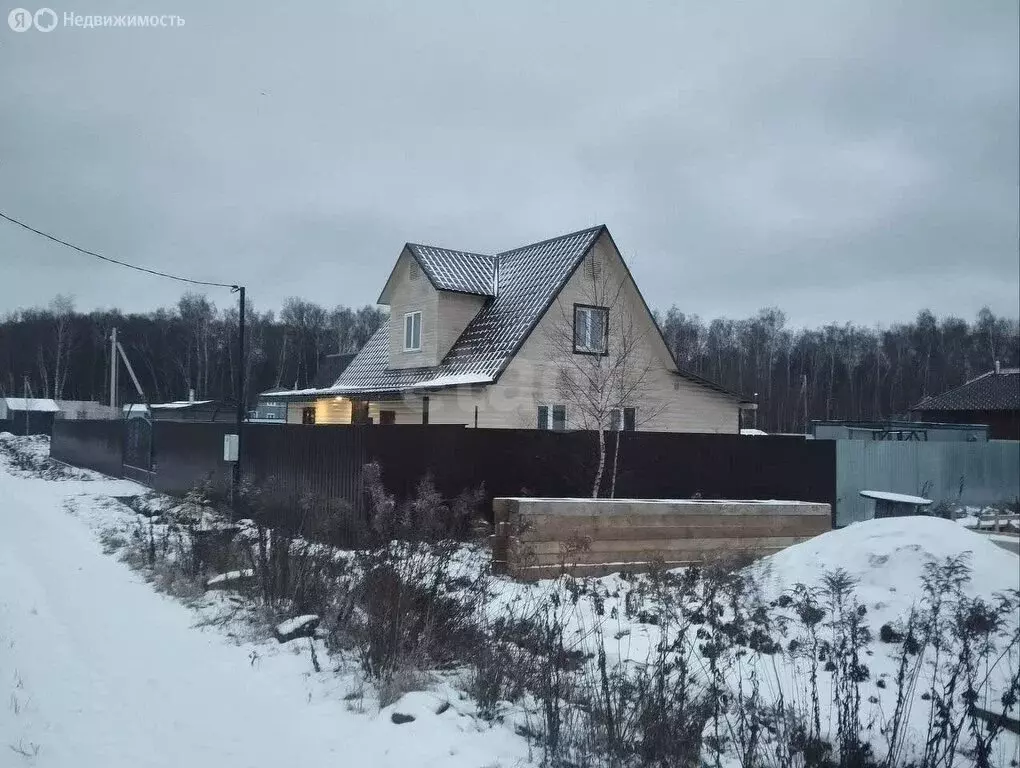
(468, 342)
(993, 398)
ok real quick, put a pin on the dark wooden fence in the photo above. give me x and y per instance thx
(38, 424)
(97, 445)
(325, 462)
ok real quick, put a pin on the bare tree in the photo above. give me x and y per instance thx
(604, 360)
(63, 314)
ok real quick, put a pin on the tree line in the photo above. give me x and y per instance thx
(837, 371)
(65, 354)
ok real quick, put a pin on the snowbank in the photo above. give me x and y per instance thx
(887, 557)
(887, 560)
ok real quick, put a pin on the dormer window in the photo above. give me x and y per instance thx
(412, 332)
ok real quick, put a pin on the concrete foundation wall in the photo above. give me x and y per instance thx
(540, 538)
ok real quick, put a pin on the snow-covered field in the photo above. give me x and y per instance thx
(101, 670)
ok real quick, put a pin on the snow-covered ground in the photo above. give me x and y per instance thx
(100, 671)
(104, 671)
(887, 559)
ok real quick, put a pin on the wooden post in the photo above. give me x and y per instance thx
(26, 404)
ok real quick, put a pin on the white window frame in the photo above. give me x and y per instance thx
(409, 323)
(587, 314)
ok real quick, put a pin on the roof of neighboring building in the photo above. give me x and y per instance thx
(992, 391)
(330, 368)
(175, 405)
(527, 281)
(32, 404)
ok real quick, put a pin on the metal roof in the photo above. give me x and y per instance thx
(457, 270)
(528, 279)
(992, 391)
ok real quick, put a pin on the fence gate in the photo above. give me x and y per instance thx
(138, 449)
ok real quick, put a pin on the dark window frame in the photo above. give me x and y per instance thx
(623, 419)
(552, 417)
(605, 331)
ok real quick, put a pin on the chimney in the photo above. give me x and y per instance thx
(998, 366)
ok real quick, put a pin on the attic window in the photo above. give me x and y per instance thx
(591, 327)
(414, 271)
(594, 268)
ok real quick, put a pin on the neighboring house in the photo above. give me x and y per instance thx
(33, 416)
(469, 336)
(275, 410)
(992, 398)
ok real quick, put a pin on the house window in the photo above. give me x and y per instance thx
(552, 417)
(308, 415)
(591, 326)
(412, 332)
(625, 417)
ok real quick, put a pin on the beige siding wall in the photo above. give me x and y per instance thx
(332, 411)
(413, 296)
(294, 411)
(327, 411)
(456, 310)
(406, 410)
(668, 403)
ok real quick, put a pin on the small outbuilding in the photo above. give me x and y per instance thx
(27, 416)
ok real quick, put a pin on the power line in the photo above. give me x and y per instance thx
(155, 272)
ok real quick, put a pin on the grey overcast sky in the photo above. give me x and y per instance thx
(842, 160)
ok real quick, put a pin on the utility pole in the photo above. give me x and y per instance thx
(113, 369)
(241, 400)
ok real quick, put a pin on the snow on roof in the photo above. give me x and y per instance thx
(527, 281)
(900, 498)
(457, 270)
(179, 404)
(33, 404)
